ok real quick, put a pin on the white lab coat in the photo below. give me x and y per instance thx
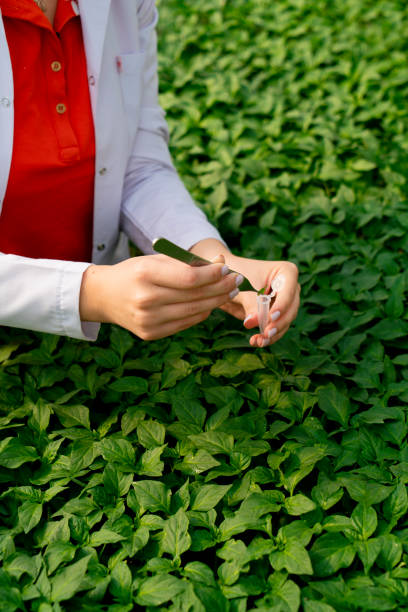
(137, 191)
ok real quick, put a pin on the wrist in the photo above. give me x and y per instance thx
(91, 301)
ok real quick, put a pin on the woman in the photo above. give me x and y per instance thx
(84, 165)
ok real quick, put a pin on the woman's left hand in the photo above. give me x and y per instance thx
(284, 308)
(260, 274)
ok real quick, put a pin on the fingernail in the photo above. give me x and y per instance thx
(239, 279)
(247, 318)
(275, 316)
(233, 294)
(265, 343)
(272, 332)
(224, 270)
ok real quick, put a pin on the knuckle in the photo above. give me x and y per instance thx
(192, 308)
(145, 332)
(199, 293)
(140, 273)
(190, 276)
(143, 302)
(222, 299)
(293, 268)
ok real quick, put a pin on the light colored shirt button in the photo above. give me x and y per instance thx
(103, 171)
(56, 66)
(101, 247)
(5, 102)
(92, 80)
(61, 108)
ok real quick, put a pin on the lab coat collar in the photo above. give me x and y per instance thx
(94, 19)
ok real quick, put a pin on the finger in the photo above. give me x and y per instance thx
(285, 297)
(171, 327)
(186, 310)
(275, 331)
(234, 308)
(260, 341)
(164, 271)
(219, 259)
(251, 320)
(278, 321)
(228, 285)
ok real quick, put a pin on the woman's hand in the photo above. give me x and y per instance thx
(155, 296)
(260, 274)
(283, 310)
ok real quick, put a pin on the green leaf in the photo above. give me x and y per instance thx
(130, 384)
(150, 464)
(29, 515)
(364, 490)
(213, 442)
(390, 553)
(331, 552)
(396, 505)
(284, 596)
(294, 558)
(208, 496)
(327, 492)
(299, 504)
(121, 340)
(368, 552)
(364, 520)
(121, 582)
(176, 539)
(57, 553)
(67, 582)
(334, 404)
(373, 598)
(13, 453)
(174, 371)
(316, 606)
(248, 362)
(152, 495)
(363, 165)
(117, 451)
(151, 434)
(199, 572)
(238, 523)
(211, 598)
(105, 536)
(159, 589)
(389, 329)
(225, 368)
(196, 463)
(70, 416)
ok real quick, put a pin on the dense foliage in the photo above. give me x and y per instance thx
(195, 473)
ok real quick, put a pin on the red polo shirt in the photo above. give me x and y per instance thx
(48, 207)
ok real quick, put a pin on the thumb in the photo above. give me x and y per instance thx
(250, 311)
(218, 259)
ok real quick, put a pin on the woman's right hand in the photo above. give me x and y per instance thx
(154, 296)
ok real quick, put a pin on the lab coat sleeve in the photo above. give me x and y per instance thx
(43, 295)
(155, 202)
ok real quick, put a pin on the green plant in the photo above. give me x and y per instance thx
(194, 473)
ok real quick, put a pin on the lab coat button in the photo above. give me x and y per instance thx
(101, 247)
(103, 171)
(92, 80)
(5, 102)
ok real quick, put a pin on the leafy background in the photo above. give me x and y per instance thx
(194, 473)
